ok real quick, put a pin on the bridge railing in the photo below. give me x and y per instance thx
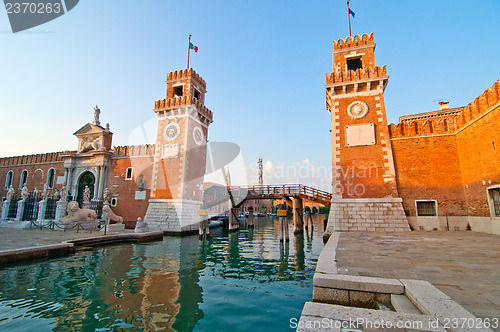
(290, 189)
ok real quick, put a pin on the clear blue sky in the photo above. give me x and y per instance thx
(264, 63)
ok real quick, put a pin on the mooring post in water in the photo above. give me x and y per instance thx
(204, 228)
(234, 222)
(309, 219)
(283, 222)
(250, 216)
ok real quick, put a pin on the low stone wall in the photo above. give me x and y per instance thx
(456, 223)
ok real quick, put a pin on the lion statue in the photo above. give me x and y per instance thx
(77, 214)
(110, 215)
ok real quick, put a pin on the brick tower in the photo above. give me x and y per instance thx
(180, 155)
(362, 161)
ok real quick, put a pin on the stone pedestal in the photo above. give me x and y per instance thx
(113, 228)
(141, 226)
(298, 215)
(20, 210)
(61, 209)
(42, 206)
(367, 214)
(86, 205)
(5, 210)
(234, 222)
(173, 215)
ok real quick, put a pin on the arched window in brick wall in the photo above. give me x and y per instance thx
(50, 178)
(24, 178)
(8, 179)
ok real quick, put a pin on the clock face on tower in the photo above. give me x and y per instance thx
(172, 131)
(357, 110)
(198, 135)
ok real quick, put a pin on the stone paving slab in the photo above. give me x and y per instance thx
(26, 238)
(463, 265)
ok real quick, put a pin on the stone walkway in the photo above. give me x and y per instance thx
(464, 265)
(24, 238)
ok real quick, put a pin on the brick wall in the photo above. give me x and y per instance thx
(479, 155)
(37, 166)
(450, 156)
(429, 168)
(124, 189)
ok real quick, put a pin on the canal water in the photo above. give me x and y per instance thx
(242, 281)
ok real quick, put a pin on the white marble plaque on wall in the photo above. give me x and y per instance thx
(359, 135)
(140, 195)
(60, 180)
(170, 151)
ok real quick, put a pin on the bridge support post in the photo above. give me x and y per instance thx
(298, 215)
(250, 216)
(234, 222)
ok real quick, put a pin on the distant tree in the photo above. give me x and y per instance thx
(324, 209)
(315, 210)
(307, 209)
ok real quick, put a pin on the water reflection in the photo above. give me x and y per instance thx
(181, 284)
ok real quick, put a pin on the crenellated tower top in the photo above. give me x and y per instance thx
(354, 70)
(185, 87)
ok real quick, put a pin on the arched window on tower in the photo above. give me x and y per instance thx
(8, 179)
(24, 178)
(50, 178)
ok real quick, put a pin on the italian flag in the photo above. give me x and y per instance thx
(192, 47)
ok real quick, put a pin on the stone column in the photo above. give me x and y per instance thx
(42, 206)
(20, 210)
(298, 215)
(234, 222)
(69, 179)
(97, 193)
(101, 182)
(5, 210)
(61, 209)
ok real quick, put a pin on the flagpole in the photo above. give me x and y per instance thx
(189, 48)
(348, 15)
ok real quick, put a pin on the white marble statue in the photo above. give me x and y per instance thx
(63, 194)
(111, 216)
(35, 192)
(86, 194)
(24, 192)
(105, 195)
(97, 111)
(45, 192)
(10, 193)
(77, 214)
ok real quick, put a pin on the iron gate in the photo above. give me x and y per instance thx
(13, 208)
(30, 212)
(50, 209)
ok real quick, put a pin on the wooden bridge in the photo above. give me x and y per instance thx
(241, 194)
(292, 194)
